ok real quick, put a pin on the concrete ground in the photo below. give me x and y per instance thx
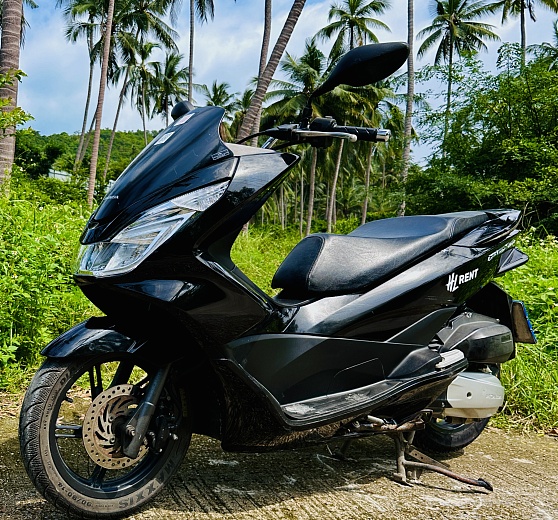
(310, 484)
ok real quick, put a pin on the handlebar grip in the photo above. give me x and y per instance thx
(366, 134)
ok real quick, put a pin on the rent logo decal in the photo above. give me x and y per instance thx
(455, 281)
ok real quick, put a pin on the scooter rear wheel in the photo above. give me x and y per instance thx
(440, 436)
(69, 435)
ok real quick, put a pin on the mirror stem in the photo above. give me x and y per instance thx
(306, 114)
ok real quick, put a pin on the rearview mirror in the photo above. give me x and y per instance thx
(365, 65)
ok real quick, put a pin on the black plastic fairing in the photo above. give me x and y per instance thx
(300, 367)
(190, 279)
(502, 225)
(482, 339)
(166, 168)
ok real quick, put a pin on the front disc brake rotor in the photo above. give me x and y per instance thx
(113, 406)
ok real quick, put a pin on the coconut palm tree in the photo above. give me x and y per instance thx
(514, 8)
(352, 23)
(219, 96)
(170, 85)
(142, 81)
(456, 29)
(409, 100)
(548, 51)
(305, 75)
(242, 104)
(100, 102)
(271, 67)
(9, 60)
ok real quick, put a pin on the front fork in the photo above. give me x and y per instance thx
(135, 429)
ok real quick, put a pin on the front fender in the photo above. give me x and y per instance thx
(92, 337)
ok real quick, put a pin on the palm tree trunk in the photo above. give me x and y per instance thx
(143, 111)
(100, 102)
(311, 190)
(448, 99)
(301, 200)
(409, 107)
(166, 105)
(191, 55)
(270, 69)
(88, 135)
(523, 33)
(367, 183)
(113, 133)
(9, 59)
(331, 205)
(78, 159)
(116, 117)
(263, 61)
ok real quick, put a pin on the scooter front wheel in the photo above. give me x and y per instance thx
(70, 437)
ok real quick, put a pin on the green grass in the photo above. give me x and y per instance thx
(259, 252)
(531, 379)
(38, 299)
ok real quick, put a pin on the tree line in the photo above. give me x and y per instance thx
(330, 184)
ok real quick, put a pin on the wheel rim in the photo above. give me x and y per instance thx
(442, 426)
(73, 460)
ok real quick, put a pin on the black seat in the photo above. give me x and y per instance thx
(323, 264)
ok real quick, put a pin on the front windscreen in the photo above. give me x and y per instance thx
(189, 144)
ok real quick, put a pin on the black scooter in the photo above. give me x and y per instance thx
(395, 328)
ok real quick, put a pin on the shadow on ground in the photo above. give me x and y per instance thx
(310, 484)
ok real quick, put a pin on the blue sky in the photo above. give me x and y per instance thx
(226, 49)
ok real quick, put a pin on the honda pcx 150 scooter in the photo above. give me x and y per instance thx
(395, 328)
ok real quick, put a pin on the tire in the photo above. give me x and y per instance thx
(440, 436)
(88, 476)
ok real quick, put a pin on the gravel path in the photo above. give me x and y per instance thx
(309, 484)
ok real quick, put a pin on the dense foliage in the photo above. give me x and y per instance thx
(38, 301)
(531, 379)
(502, 148)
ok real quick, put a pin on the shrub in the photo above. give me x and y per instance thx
(38, 299)
(531, 379)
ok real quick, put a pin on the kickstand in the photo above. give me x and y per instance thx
(411, 470)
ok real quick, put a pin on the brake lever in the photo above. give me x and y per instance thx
(315, 133)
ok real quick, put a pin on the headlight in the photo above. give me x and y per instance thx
(138, 240)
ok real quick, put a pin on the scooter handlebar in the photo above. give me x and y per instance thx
(325, 127)
(366, 134)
